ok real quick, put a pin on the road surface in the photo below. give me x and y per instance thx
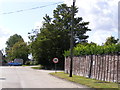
(25, 77)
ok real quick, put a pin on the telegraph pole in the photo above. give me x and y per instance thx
(71, 40)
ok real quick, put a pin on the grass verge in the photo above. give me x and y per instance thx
(25, 65)
(92, 83)
(38, 67)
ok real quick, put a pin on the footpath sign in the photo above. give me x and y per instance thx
(55, 60)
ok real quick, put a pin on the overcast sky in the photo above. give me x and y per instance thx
(102, 15)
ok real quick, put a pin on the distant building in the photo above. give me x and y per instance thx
(1, 55)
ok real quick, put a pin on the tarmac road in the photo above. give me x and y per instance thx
(25, 77)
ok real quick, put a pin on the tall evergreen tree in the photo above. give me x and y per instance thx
(54, 36)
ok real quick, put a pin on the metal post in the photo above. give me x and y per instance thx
(55, 68)
(71, 41)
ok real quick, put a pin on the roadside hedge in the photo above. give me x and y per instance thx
(94, 49)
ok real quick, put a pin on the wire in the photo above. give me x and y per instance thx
(29, 9)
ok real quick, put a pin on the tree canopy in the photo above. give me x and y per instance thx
(20, 50)
(16, 48)
(54, 36)
(111, 40)
(13, 39)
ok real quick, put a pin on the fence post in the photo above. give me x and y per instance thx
(91, 63)
(118, 70)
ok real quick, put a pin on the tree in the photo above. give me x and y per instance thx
(62, 21)
(54, 36)
(20, 50)
(16, 48)
(13, 39)
(111, 40)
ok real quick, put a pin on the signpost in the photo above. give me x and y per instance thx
(55, 60)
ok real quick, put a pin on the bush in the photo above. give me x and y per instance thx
(93, 49)
(33, 63)
(27, 63)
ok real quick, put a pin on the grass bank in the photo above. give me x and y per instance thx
(92, 83)
(25, 65)
(36, 67)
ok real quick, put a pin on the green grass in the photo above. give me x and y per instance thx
(38, 67)
(92, 83)
(25, 65)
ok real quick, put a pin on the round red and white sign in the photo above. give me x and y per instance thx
(55, 60)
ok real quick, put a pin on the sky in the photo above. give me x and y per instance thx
(102, 15)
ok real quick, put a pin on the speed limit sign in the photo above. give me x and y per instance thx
(55, 60)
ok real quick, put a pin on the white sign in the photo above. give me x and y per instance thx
(55, 60)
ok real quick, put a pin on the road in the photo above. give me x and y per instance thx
(25, 77)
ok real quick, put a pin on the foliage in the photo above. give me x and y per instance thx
(13, 39)
(33, 62)
(90, 49)
(111, 40)
(54, 36)
(38, 67)
(10, 42)
(16, 48)
(20, 50)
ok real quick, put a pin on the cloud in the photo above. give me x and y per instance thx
(2, 44)
(38, 25)
(4, 35)
(102, 15)
(3, 32)
(99, 36)
(30, 0)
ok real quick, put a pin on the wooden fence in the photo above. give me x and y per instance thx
(100, 67)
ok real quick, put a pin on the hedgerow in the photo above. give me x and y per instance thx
(94, 49)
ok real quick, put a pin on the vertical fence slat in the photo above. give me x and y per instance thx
(107, 67)
(117, 66)
(94, 57)
(102, 62)
(113, 68)
(97, 67)
(104, 67)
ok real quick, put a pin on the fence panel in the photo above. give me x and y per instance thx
(103, 67)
